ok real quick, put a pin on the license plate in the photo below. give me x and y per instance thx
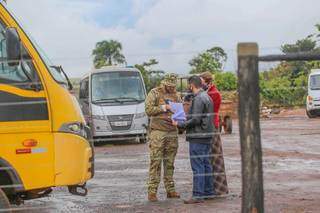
(120, 123)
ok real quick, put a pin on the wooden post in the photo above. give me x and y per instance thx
(249, 124)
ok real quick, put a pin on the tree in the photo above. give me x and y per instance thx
(317, 35)
(285, 85)
(303, 45)
(145, 69)
(108, 53)
(211, 60)
(151, 77)
(298, 68)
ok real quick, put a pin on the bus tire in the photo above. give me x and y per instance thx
(4, 202)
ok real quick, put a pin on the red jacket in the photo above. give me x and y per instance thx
(215, 95)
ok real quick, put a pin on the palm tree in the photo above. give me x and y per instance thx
(108, 53)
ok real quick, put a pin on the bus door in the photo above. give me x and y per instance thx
(26, 139)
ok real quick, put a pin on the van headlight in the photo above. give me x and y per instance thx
(140, 115)
(100, 117)
(76, 128)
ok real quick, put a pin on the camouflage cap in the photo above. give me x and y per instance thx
(170, 79)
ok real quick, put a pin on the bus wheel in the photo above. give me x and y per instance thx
(4, 202)
(228, 125)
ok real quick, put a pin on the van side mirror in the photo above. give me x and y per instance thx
(13, 46)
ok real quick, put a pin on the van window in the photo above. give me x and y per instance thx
(24, 75)
(84, 89)
(315, 82)
(122, 86)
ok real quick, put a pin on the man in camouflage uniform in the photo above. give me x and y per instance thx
(163, 137)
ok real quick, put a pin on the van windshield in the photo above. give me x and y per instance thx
(315, 82)
(122, 86)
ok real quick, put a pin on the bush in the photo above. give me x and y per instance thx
(153, 80)
(226, 81)
(280, 92)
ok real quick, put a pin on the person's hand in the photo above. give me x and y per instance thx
(174, 123)
(168, 107)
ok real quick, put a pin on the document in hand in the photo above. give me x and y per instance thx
(178, 110)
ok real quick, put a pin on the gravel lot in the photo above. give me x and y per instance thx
(291, 147)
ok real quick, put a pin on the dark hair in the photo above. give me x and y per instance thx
(196, 81)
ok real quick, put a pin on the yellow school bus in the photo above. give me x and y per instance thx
(44, 141)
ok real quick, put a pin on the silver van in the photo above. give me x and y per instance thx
(113, 102)
(313, 98)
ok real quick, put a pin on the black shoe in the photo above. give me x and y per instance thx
(193, 201)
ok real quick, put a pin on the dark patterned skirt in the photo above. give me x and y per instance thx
(219, 172)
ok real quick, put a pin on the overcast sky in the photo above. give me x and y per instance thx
(172, 31)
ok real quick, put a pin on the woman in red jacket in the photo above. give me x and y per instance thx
(220, 179)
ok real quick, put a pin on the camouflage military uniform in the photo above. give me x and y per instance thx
(163, 136)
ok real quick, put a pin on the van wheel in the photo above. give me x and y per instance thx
(310, 115)
(4, 202)
(228, 125)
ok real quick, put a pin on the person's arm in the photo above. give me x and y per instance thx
(196, 116)
(152, 109)
(217, 104)
(216, 109)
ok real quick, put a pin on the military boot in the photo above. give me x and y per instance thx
(152, 197)
(173, 195)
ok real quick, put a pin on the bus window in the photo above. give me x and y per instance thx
(24, 75)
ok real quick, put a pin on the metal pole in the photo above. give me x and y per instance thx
(302, 56)
(249, 124)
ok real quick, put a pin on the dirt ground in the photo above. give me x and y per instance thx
(291, 147)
